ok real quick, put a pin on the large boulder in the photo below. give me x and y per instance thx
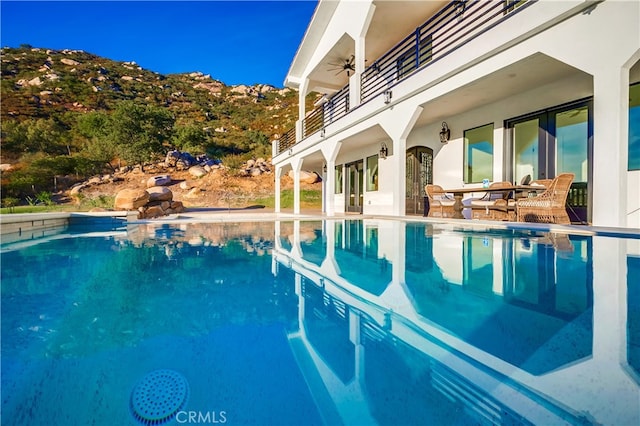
(172, 158)
(131, 199)
(186, 185)
(151, 212)
(35, 81)
(160, 193)
(161, 180)
(76, 189)
(68, 61)
(177, 206)
(194, 193)
(306, 177)
(197, 171)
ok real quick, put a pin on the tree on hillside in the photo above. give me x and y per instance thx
(190, 138)
(257, 142)
(139, 131)
(100, 147)
(133, 132)
(31, 136)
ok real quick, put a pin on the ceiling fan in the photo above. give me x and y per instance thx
(347, 65)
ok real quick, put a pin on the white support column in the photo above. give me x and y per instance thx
(325, 170)
(355, 82)
(330, 182)
(356, 78)
(354, 90)
(299, 130)
(330, 154)
(297, 167)
(276, 189)
(398, 123)
(400, 168)
(302, 93)
(610, 139)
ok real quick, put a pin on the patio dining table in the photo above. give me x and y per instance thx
(458, 193)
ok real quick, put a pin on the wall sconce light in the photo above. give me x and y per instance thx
(290, 151)
(383, 150)
(387, 96)
(445, 133)
(322, 132)
(324, 168)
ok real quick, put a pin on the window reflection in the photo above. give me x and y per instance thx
(356, 253)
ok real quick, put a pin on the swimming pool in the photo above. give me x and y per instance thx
(322, 322)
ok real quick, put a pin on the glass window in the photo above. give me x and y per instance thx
(478, 154)
(526, 147)
(571, 142)
(372, 173)
(634, 127)
(338, 188)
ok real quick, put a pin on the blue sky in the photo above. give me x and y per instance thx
(237, 42)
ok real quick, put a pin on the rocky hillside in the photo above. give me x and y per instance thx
(55, 104)
(44, 83)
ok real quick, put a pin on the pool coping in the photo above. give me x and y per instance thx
(18, 223)
(21, 222)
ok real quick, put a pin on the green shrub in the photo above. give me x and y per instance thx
(10, 203)
(233, 162)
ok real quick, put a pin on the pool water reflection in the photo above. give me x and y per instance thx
(497, 326)
(324, 322)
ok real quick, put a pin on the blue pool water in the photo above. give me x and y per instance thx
(323, 322)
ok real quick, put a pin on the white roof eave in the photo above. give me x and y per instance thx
(319, 22)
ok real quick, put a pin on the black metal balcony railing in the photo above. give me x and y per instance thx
(453, 26)
(456, 24)
(287, 140)
(336, 107)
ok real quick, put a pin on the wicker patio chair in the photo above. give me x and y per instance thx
(494, 205)
(548, 207)
(440, 204)
(523, 193)
(543, 182)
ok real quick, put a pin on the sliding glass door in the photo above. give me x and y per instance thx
(558, 140)
(355, 180)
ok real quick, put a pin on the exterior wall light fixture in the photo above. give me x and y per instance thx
(324, 168)
(387, 96)
(322, 132)
(383, 150)
(445, 133)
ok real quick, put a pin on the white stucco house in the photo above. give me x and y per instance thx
(454, 92)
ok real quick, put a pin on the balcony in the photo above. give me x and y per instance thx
(449, 29)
